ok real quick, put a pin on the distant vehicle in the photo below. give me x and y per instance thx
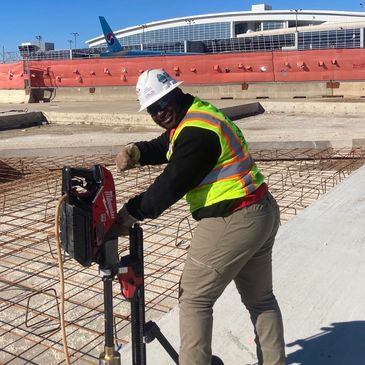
(115, 49)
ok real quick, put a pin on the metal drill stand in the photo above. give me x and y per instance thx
(130, 273)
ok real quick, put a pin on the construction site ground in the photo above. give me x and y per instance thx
(312, 153)
(104, 127)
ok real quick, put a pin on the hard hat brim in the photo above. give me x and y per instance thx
(159, 96)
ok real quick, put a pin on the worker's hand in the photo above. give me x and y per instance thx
(124, 221)
(127, 157)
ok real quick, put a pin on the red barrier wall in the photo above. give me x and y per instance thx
(204, 69)
(280, 66)
(330, 64)
(12, 76)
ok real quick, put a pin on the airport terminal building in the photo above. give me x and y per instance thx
(259, 29)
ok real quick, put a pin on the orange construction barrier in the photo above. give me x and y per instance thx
(12, 76)
(277, 66)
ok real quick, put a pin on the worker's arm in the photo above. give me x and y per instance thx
(196, 152)
(154, 152)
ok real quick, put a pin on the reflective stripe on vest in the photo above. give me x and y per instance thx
(228, 171)
(243, 162)
(226, 130)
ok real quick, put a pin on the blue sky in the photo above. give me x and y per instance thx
(22, 20)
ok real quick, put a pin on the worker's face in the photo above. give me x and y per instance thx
(165, 112)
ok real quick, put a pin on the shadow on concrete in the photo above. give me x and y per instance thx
(339, 344)
(9, 173)
(44, 95)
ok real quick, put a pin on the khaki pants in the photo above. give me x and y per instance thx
(239, 248)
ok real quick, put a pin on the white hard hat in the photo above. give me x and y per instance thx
(152, 85)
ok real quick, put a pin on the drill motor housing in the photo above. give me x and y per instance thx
(88, 215)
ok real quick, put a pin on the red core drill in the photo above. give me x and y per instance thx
(88, 215)
(88, 234)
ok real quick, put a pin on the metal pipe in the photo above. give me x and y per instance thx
(108, 311)
(109, 356)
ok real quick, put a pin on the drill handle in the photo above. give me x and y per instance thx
(70, 174)
(130, 267)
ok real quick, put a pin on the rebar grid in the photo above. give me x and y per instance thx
(29, 283)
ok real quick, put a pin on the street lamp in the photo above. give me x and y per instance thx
(75, 34)
(39, 39)
(362, 5)
(296, 18)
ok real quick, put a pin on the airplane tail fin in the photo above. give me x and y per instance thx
(111, 39)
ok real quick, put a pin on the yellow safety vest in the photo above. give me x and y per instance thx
(235, 175)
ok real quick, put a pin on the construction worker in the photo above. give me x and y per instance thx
(208, 162)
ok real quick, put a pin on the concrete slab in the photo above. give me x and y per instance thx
(13, 96)
(245, 90)
(243, 110)
(319, 281)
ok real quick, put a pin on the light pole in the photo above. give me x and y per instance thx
(39, 39)
(296, 18)
(70, 41)
(75, 34)
(143, 26)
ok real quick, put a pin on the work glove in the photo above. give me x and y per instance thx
(127, 157)
(124, 221)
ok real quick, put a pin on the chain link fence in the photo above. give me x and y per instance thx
(339, 38)
(9, 57)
